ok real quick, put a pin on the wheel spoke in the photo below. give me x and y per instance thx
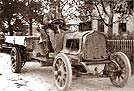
(14, 64)
(12, 60)
(114, 78)
(59, 62)
(55, 73)
(62, 82)
(123, 70)
(62, 67)
(64, 73)
(14, 67)
(118, 80)
(64, 78)
(14, 57)
(58, 79)
(121, 64)
(117, 59)
(56, 66)
(122, 77)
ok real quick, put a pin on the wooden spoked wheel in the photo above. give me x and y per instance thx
(120, 68)
(62, 71)
(15, 60)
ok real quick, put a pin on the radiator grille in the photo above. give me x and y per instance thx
(95, 46)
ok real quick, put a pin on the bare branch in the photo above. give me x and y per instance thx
(100, 14)
(103, 6)
(120, 19)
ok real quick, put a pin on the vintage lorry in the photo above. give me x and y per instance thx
(83, 52)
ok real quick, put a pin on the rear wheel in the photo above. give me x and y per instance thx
(62, 71)
(120, 69)
(15, 60)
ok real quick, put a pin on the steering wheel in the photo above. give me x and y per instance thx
(57, 24)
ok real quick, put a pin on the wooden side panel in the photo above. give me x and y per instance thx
(57, 42)
(39, 49)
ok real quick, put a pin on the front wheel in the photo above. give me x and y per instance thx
(15, 60)
(62, 71)
(120, 69)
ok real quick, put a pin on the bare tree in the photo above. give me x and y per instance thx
(109, 8)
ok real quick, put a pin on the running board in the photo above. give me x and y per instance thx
(42, 58)
(97, 62)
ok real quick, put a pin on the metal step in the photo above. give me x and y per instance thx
(44, 61)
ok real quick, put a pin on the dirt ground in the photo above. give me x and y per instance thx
(36, 78)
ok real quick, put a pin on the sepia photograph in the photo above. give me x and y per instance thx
(66, 45)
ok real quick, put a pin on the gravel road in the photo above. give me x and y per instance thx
(36, 78)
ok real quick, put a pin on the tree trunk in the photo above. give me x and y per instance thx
(110, 31)
(30, 24)
(59, 9)
(10, 28)
(110, 26)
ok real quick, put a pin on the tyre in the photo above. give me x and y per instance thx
(62, 71)
(15, 60)
(120, 69)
